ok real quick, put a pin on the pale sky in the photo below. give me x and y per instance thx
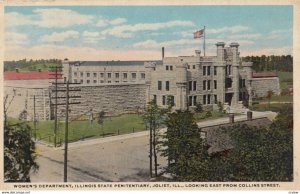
(139, 32)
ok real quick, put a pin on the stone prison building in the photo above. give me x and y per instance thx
(123, 86)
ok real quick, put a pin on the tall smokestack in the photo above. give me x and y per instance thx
(163, 52)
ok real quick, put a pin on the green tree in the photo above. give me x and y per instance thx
(259, 154)
(185, 150)
(153, 119)
(19, 153)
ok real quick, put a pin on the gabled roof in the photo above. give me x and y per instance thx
(264, 74)
(29, 75)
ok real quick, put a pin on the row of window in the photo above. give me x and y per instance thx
(169, 67)
(192, 100)
(109, 75)
(228, 70)
(207, 83)
(95, 81)
(166, 100)
(206, 99)
(207, 70)
(167, 85)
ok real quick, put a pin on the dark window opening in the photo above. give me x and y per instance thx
(159, 85)
(167, 85)
(195, 85)
(204, 84)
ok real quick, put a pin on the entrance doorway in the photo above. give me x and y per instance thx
(228, 98)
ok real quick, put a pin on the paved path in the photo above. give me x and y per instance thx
(116, 158)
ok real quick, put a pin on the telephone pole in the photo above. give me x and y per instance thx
(66, 88)
(57, 75)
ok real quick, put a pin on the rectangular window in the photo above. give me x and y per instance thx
(215, 70)
(204, 99)
(216, 99)
(87, 74)
(95, 81)
(195, 100)
(117, 75)
(108, 81)
(208, 70)
(190, 100)
(95, 74)
(164, 100)
(159, 85)
(125, 75)
(208, 99)
(189, 67)
(109, 75)
(194, 85)
(190, 85)
(167, 67)
(204, 70)
(75, 80)
(215, 84)
(240, 96)
(102, 75)
(171, 68)
(240, 83)
(102, 81)
(75, 74)
(204, 84)
(167, 85)
(244, 83)
(171, 100)
(229, 69)
(87, 81)
(133, 75)
(117, 81)
(143, 75)
(81, 81)
(208, 85)
(81, 74)
(194, 67)
(154, 98)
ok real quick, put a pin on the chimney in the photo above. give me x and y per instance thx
(249, 115)
(231, 118)
(163, 52)
(198, 53)
(17, 70)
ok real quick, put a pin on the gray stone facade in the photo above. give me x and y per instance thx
(261, 86)
(122, 86)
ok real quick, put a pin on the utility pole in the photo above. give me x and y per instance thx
(66, 88)
(66, 135)
(56, 77)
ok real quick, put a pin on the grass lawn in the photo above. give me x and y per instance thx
(266, 107)
(286, 79)
(79, 130)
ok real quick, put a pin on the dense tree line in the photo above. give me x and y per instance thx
(30, 65)
(271, 63)
(259, 154)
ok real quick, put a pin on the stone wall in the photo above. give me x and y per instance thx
(109, 98)
(261, 86)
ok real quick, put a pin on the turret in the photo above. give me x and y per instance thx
(235, 53)
(220, 51)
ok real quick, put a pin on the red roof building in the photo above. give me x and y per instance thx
(264, 74)
(29, 75)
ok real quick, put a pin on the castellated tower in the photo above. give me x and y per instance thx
(181, 86)
(220, 65)
(235, 73)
